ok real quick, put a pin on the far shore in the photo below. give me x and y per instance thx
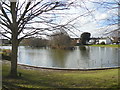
(107, 45)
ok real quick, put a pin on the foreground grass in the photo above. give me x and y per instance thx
(61, 79)
(117, 46)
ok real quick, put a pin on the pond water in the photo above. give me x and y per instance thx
(81, 58)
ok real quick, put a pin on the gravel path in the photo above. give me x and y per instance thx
(21, 66)
(29, 67)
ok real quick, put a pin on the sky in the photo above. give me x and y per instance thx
(92, 17)
(84, 16)
(93, 21)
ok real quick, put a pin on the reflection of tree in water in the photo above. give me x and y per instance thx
(59, 57)
(84, 51)
(84, 56)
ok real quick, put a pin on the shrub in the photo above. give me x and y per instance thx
(103, 43)
(6, 54)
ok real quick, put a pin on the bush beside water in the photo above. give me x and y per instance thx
(6, 54)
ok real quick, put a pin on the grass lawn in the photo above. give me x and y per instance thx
(117, 46)
(42, 78)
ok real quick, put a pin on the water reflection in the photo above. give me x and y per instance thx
(84, 51)
(85, 56)
(58, 57)
(82, 57)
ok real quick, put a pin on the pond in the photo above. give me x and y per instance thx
(81, 58)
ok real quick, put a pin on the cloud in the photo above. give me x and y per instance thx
(101, 16)
(85, 23)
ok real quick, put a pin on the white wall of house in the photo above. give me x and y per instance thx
(106, 40)
(102, 40)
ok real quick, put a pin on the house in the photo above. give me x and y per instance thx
(116, 39)
(93, 40)
(115, 36)
(106, 40)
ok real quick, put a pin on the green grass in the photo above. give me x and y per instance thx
(61, 79)
(117, 46)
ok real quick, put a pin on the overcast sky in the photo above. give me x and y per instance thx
(85, 16)
(100, 16)
(92, 17)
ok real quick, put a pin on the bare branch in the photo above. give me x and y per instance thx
(2, 23)
(70, 31)
(35, 13)
(34, 5)
(24, 13)
(5, 35)
(19, 8)
(5, 4)
(4, 13)
(6, 30)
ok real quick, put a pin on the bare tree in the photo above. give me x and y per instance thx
(37, 42)
(60, 40)
(15, 20)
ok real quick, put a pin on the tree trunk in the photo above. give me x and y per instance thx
(15, 44)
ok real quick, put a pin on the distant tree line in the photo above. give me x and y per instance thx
(35, 42)
(57, 40)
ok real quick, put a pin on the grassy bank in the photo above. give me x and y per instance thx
(61, 79)
(116, 46)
